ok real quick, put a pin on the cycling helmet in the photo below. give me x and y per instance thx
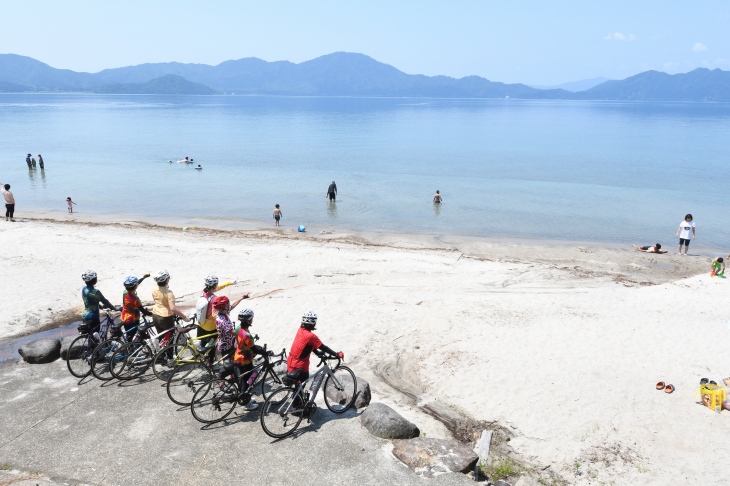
(246, 314)
(130, 282)
(221, 302)
(88, 276)
(162, 276)
(309, 320)
(211, 281)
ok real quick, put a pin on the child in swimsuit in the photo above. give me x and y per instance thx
(437, 197)
(277, 215)
(70, 205)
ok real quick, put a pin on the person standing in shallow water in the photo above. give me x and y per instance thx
(27, 161)
(40, 162)
(332, 191)
(437, 197)
(9, 203)
(277, 215)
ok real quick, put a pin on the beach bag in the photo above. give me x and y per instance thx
(201, 309)
(713, 396)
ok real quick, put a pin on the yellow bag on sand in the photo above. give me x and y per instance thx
(713, 396)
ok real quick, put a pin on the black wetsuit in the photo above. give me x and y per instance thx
(332, 191)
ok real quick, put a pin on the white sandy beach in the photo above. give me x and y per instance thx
(563, 344)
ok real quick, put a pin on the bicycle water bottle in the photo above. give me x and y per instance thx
(252, 378)
(97, 337)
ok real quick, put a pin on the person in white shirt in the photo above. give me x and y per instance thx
(685, 233)
(9, 202)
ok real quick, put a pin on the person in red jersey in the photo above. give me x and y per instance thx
(304, 343)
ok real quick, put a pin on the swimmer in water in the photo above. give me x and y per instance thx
(183, 161)
(198, 167)
(437, 198)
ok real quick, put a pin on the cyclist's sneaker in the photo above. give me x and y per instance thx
(252, 405)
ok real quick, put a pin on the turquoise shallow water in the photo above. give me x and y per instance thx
(589, 171)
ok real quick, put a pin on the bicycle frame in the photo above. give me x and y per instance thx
(316, 380)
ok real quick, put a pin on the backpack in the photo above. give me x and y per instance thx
(201, 309)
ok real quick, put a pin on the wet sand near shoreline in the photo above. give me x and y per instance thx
(562, 344)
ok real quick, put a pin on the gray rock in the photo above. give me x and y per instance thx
(362, 399)
(65, 343)
(430, 457)
(384, 422)
(502, 483)
(41, 351)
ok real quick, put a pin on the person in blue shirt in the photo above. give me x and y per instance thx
(92, 297)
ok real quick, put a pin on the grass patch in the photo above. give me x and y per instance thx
(5, 466)
(500, 470)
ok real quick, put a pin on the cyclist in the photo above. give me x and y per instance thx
(304, 343)
(244, 354)
(204, 310)
(92, 297)
(164, 310)
(131, 306)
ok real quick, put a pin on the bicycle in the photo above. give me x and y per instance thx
(285, 408)
(166, 351)
(135, 358)
(216, 398)
(81, 349)
(101, 357)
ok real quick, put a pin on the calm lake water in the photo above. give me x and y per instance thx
(589, 171)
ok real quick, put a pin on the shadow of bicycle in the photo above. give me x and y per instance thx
(320, 417)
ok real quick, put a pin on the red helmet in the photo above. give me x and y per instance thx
(221, 302)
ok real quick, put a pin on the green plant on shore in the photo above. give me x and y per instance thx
(500, 470)
(5, 466)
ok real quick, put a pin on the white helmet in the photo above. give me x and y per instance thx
(246, 314)
(88, 276)
(162, 276)
(309, 320)
(211, 281)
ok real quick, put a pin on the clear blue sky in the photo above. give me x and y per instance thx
(510, 41)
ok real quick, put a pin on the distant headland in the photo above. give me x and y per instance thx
(340, 74)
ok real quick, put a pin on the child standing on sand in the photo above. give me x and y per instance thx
(70, 204)
(277, 215)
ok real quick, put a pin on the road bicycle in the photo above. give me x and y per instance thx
(285, 408)
(135, 358)
(101, 357)
(82, 348)
(215, 399)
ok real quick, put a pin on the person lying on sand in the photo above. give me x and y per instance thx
(650, 249)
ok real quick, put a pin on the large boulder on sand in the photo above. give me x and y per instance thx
(431, 457)
(41, 351)
(65, 344)
(362, 399)
(384, 422)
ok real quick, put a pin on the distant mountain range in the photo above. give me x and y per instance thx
(343, 74)
(581, 85)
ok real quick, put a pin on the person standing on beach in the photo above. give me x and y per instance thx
(70, 204)
(9, 203)
(437, 197)
(332, 191)
(204, 311)
(40, 162)
(32, 161)
(27, 161)
(685, 233)
(277, 215)
(165, 310)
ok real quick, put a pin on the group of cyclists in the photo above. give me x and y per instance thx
(212, 313)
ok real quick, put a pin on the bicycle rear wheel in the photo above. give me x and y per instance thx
(131, 361)
(268, 381)
(101, 356)
(79, 356)
(339, 395)
(168, 358)
(214, 401)
(279, 417)
(185, 380)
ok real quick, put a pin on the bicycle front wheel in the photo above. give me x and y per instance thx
(268, 381)
(214, 401)
(131, 361)
(340, 389)
(282, 413)
(79, 356)
(185, 380)
(168, 358)
(101, 356)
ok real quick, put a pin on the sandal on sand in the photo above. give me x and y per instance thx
(660, 385)
(669, 389)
